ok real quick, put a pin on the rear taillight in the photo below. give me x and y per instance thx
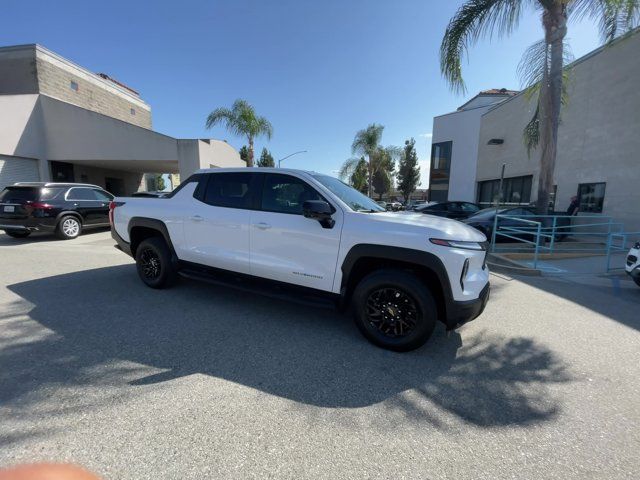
(112, 207)
(38, 206)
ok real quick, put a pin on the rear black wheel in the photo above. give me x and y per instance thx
(637, 280)
(69, 227)
(18, 233)
(394, 310)
(153, 261)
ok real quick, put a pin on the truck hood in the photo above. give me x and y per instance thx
(444, 228)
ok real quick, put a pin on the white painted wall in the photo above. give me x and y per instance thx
(462, 128)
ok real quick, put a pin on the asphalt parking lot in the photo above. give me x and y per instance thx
(207, 382)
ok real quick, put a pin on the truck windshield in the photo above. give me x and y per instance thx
(353, 198)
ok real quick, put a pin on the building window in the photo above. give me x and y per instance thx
(133, 111)
(515, 191)
(440, 167)
(591, 197)
(74, 86)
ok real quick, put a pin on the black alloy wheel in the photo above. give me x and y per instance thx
(150, 263)
(394, 309)
(392, 312)
(154, 263)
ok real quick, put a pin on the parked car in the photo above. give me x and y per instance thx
(484, 220)
(384, 205)
(395, 206)
(265, 229)
(633, 263)
(455, 210)
(414, 204)
(63, 208)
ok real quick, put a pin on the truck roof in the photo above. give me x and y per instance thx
(255, 169)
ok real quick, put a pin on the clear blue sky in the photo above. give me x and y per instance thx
(319, 70)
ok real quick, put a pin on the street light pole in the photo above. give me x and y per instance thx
(290, 155)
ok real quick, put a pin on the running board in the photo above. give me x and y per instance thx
(262, 287)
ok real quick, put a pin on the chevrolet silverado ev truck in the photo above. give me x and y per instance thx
(312, 238)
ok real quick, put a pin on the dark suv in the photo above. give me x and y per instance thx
(63, 208)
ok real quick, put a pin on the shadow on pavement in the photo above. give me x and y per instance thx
(106, 317)
(615, 297)
(41, 237)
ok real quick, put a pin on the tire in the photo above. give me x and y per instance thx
(372, 300)
(18, 233)
(637, 280)
(154, 265)
(69, 227)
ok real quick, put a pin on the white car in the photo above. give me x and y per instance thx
(319, 238)
(633, 263)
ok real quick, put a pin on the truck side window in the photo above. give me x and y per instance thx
(286, 194)
(229, 190)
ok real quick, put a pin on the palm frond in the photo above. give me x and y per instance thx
(475, 19)
(367, 140)
(531, 132)
(535, 61)
(614, 17)
(241, 120)
(348, 168)
(263, 127)
(219, 115)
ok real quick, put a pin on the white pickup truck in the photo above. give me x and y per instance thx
(312, 238)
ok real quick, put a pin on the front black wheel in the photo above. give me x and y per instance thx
(18, 233)
(394, 310)
(154, 265)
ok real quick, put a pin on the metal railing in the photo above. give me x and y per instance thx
(600, 235)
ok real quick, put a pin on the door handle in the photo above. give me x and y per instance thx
(196, 218)
(262, 225)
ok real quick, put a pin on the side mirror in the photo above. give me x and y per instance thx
(318, 210)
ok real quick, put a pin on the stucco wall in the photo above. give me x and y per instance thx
(195, 154)
(599, 137)
(462, 129)
(73, 133)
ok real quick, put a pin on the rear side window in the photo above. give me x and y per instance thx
(19, 194)
(102, 196)
(81, 194)
(286, 194)
(229, 190)
(50, 193)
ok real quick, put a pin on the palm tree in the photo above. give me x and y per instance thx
(478, 18)
(242, 120)
(367, 144)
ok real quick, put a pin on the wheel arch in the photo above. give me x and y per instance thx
(364, 259)
(141, 228)
(66, 213)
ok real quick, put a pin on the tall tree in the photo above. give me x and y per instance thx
(478, 18)
(408, 170)
(266, 159)
(367, 144)
(358, 179)
(159, 181)
(384, 169)
(244, 153)
(241, 119)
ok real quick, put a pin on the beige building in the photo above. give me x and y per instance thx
(61, 122)
(598, 146)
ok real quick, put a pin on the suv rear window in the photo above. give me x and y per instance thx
(19, 194)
